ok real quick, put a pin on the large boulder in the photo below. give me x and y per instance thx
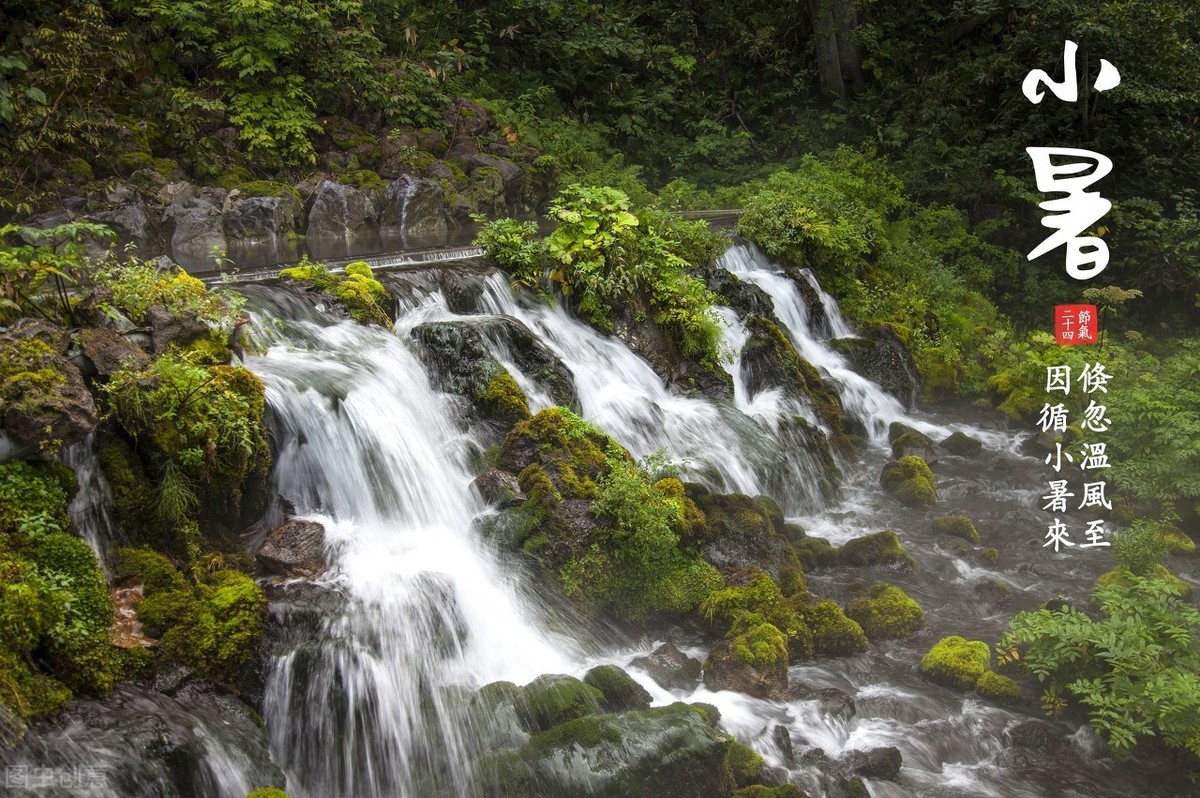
(104, 350)
(755, 663)
(46, 403)
(340, 211)
(413, 205)
(518, 344)
(910, 481)
(961, 444)
(295, 549)
(169, 329)
(128, 220)
(637, 754)
(745, 533)
(198, 229)
(262, 218)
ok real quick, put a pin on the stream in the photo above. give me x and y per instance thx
(365, 689)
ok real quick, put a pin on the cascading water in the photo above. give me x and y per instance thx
(89, 507)
(861, 399)
(361, 701)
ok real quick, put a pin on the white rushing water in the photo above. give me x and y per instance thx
(365, 446)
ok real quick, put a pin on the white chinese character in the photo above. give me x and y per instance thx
(1057, 455)
(1057, 535)
(1078, 211)
(1068, 89)
(16, 776)
(1058, 378)
(1093, 495)
(1094, 417)
(1094, 456)
(1095, 534)
(1053, 418)
(1057, 496)
(1094, 378)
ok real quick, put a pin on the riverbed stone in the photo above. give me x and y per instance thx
(620, 690)
(962, 445)
(726, 669)
(909, 480)
(670, 667)
(106, 350)
(499, 488)
(198, 229)
(337, 210)
(44, 413)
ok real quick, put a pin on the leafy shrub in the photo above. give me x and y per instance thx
(136, 285)
(1136, 669)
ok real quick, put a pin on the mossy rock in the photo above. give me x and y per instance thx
(552, 699)
(815, 552)
(833, 634)
(504, 401)
(269, 188)
(956, 661)
(879, 549)
(910, 481)
(1175, 540)
(745, 764)
(998, 688)
(885, 612)
(962, 445)
(1119, 576)
(268, 792)
(761, 600)
(570, 451)
(620, 690)
(363, 179)
(958, 526)
(912, 443)
(363, 297)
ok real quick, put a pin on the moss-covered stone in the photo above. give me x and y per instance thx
(745, 764)
(911, 443)
(552, 700)
(268, 792)
(363, 297)
(833, 634)
(962, 445)
(885, 612)
(910, 481)
(956, 661)
(815, 552)
(998, 688)
(1175, 540)
(567, 448)
(619, 689)
(879, 549)
(504, 400)
(736, 609)
(958, 526)
(133, 492)
(761, 791)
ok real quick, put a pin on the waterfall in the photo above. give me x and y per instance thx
(362, 701)
(89, 507)
(862, 399)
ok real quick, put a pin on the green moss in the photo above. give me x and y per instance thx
(268, 792)
(552, 700)
(694, 524)
(132, 491)
(364, 297)
(957, 525)
(210, 351)
(910, 440)
(268, 188)
(745, 764)
(584, 732)
(502, 774)
(833, 634)
(761, 645)
(737, 609)
(879, 549)
(1175, 541)
(995, 687)
(363, 179)
(991, 555)
(815, 552)
(79, 168)
(571, 451)
(759, 791)
(910, 480)
(233, 177)
(885, 612)
(956, 661)
(30, 492)
(504, 400)
(620, 690)
(31, 383)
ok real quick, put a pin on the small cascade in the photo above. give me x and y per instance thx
(862, 400)
(89, 507)
(410, 188)
(365, 695)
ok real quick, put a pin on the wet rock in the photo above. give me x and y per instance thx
(670, 667)
(106, 351)
(460, 363)
(914, 443)
(517, 343)
(744, 297)
(463, 289)
(620, 690)
(1035, 735)
(512, 177)
(882, 356)
(875, 763)
(198, 228)
(262, 218)
(961, 444)
(783, 741)
(552, 699)
(40, 413)
(413, 205)
(169, 329)
(499, 488)
(339, 211)
(295, 549)
(725, 670)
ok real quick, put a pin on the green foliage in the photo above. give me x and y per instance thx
(199, 430)
(136, 285)
(886, 611)
(956, 662)
(1139, 548)
(34, 277)
(603, 257)
(1136, 668)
